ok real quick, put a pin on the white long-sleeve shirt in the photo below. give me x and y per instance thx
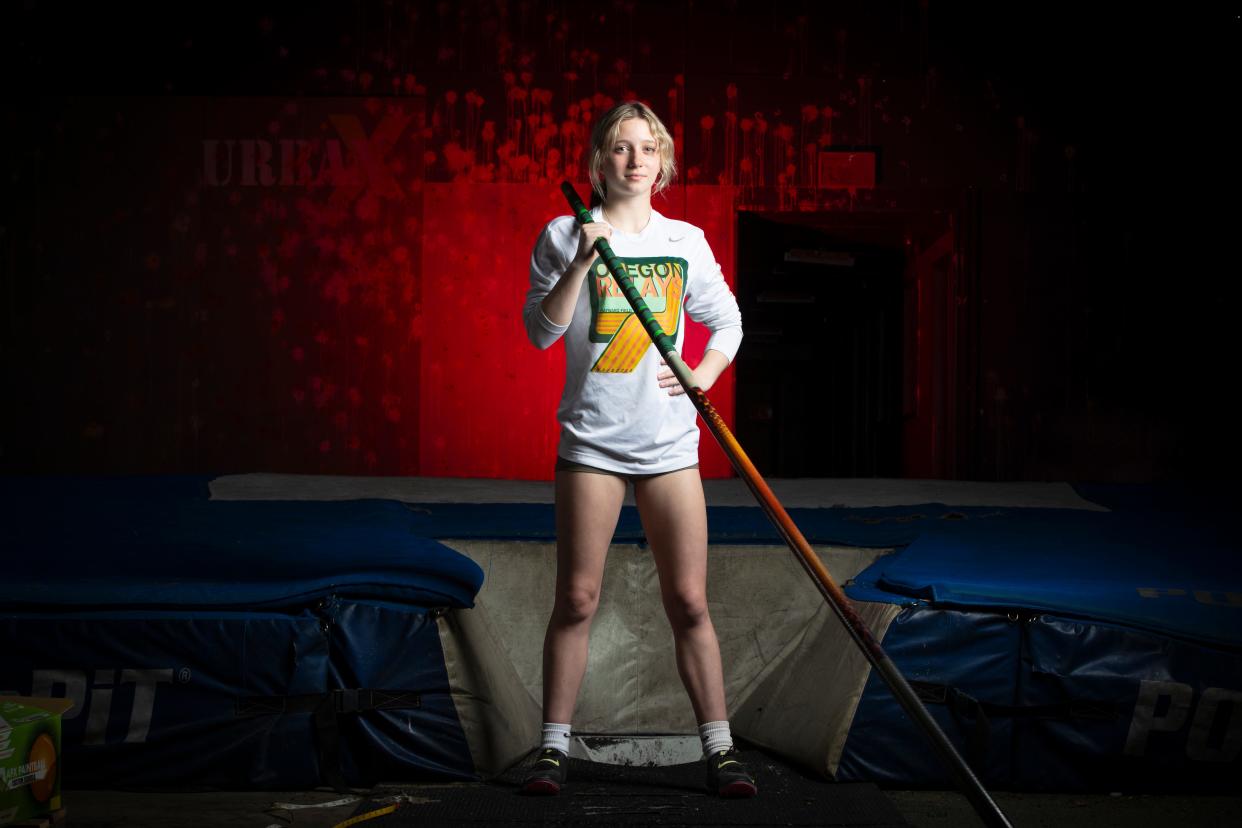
(613, 414)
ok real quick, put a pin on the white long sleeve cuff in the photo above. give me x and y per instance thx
(543, 331)
(726, 340)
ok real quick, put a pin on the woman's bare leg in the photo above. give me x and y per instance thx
(587, 508)
(674, 516)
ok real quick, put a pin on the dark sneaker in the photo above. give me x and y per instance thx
(547, 776)
(728, 776)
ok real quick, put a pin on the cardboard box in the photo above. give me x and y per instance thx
(29, 756)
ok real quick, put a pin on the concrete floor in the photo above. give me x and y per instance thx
(943, 809)
(923, 809)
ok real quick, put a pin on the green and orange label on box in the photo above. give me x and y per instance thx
(29, 756)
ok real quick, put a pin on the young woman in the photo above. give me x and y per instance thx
(625, 419)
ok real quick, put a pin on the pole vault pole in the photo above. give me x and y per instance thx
(969, 784)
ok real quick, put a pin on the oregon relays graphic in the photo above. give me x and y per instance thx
(660, 281)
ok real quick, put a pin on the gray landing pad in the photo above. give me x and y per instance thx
(599, 794)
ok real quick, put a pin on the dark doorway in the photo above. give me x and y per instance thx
(819, 373)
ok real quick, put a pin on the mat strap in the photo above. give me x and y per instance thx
(327, 709)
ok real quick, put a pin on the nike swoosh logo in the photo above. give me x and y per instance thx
(728, 762)
(556, 762)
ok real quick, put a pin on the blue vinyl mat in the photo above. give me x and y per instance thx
(1064, 650)
(1173, 574)
(248, 643)
(228, 643)
(133, 542)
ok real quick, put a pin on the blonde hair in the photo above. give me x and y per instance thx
(604, 135)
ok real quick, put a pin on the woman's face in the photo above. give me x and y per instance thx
(632, 163)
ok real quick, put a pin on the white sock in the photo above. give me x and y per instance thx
(716, 737)
(556, 736)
